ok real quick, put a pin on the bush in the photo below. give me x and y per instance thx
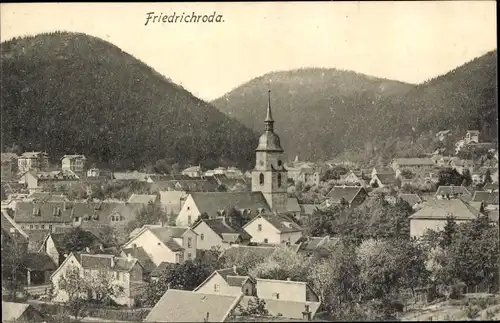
(471, 311)
(119, 315)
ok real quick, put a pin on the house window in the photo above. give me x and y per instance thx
(247, 292)
(189, 256)
(50, 227)
(261, 179)
(189, 242)
(279, 180)
(216, 287)
(202, 237)
(36, 226)
(280, 162)
(188, 208)
(177, 257)
(277, 295)
(265, 240)
(259, 227)
(42, 226)
(31, 226)
(189, 219)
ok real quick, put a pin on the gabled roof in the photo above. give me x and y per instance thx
(412, 199)
(441, 209)
(7, 223)
(414, 161)
(106, 262)
(287, 309)
(212, 202)
(33, 154)
(451, 190)
(142, 256)
(486, 197)
(386, 178)
(14, 311)
(137, 176)
(187, 306)
(142, 198)
(223, 229)
(39, 261)
(192, 169)
(47, 197)
(59, 175)
(347, 192)
(166, 235)
(74, 157)
(230, 276)
(279, 221)
(313, 243)
(36, 239)
(136, 231)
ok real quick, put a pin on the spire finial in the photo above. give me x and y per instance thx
(269, 117)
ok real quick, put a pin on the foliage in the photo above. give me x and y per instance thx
(255, 306)
(103, 287)
(449, 176)
(487, 177)
(149, 214)
(109, 236)
(221, 188)
(77, 240)
(13, 269)
(89, 76)
(76, 288)
(466, 177)
(186, 276)
(283, 264)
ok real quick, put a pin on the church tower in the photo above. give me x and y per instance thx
(269, 175)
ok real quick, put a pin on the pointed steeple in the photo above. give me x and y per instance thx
(269, 117)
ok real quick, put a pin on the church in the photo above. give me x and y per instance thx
(269, 185)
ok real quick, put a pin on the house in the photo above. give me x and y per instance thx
(286, 298)
(47, 181)
(489, 199)
(227, 282)
(20, 312)
(125, 272)
(193, 171)
(9, 166)
(237, 251)
(130, 176)
(233, 172)
(354, 178)
(138, 253)
(213, 203)
(352, 195)
(460, 164)
(317, 246)
(165, 244)
(39, 266)
(37, 161)
(433, 214)
(309, 176)
(413, 164)
(53, 245)
(142, 199)
(93, 172)
(273, 229)
(41, 197)
(447, 192)
(188, 306)
(219, 232)
(412, 199)
(43, 216)
(74, 163)
(383, 179)
(13, 230)
(172, 201)
(471, 136)
(293, 207)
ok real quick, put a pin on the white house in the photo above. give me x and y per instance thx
(274, 229)
(227, 282)
(165, 244)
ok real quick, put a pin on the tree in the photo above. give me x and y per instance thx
(221, 188)
(76, 289)
(109, 236)
(77, 240)
(152, 213)
(450, 229)
(103, 287)
(487, 177)
(466, 177)
(283, 264)
(449, 176)
(255, 306)
(13, 269)
(185, 276)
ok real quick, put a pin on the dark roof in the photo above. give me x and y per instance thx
(486, 197)
(212, 202)
(39, 261)
(386, 178)
(412, 199)
(414, 162)
(8, 224)
(282, 223)
(441, 209)
(36, 238)
(287, 309)
(451, 190)
(227, 232)
(139, 254)
(188, 306)
(346, 192)
(105, 262)
(142, 198)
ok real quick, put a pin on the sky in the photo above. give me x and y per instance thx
(406, 41)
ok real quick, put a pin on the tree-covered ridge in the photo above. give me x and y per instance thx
(322, 112)
(70, 92)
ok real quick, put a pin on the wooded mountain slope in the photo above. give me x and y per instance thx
(323, 112)
(73, 93)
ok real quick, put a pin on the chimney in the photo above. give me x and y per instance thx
(34, 210)
(112, 261)
(306, 315)
(87, 249)
(101, 247)
(129, 257)
(288, 279)
(64, 205)
(235, 269)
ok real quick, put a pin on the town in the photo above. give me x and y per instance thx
(260, 162)
(225, 240)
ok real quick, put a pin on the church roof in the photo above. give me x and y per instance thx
(269, 141)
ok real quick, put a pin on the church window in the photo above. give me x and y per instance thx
(280, 162)
(261, 179)
(279, 180)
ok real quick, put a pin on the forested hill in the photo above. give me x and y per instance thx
(318, 112)
(323, 112)
(73, 93)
